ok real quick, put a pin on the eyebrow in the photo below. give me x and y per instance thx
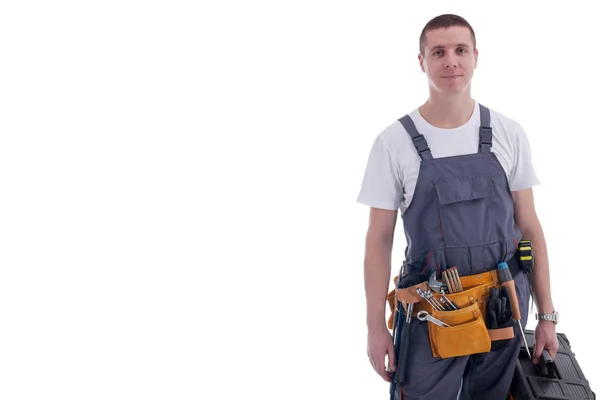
(444, 47)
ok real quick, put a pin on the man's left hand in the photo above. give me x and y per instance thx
(545, 339)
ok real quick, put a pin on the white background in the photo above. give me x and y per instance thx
(178, 185)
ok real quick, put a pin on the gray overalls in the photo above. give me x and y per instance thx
(461, 215)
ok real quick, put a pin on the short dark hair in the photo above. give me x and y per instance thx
(444, 21)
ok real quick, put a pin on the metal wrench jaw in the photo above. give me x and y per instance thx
(434, 284)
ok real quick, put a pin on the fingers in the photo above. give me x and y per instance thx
(552, 348)
(378, 365)
(538, 348)
(380, 345)
(542, 342)
(549, 349)
(381, 371)
(392, 358)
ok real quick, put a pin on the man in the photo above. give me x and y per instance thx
(466, 200)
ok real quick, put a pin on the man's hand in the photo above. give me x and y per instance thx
(379, 344)
(545, 339)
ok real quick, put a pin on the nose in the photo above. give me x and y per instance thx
(450, 62)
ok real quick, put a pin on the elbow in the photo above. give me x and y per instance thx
(532, 229)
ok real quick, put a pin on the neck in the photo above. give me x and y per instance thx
(448, 112)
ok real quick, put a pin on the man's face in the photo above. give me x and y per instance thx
(449, 59)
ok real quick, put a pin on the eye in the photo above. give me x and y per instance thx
(462, 50)
(437, 53)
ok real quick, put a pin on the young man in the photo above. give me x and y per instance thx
(465, 197)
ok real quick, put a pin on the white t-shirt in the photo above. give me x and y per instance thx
(393, 164)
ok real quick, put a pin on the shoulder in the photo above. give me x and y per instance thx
(394, 138)
(508, 133)
(504, 125)
(393, 134)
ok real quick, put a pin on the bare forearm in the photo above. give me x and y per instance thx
(377, 269)
(540, 277)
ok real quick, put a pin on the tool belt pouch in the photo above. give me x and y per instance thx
(466, 335)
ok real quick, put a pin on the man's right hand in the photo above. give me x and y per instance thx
(380, 344)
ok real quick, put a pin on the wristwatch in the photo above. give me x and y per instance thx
(552, 317)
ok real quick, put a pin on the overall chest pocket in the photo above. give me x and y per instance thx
(466, 207)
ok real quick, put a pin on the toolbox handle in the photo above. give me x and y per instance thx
(547, 366)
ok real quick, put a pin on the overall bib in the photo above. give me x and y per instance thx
(461, 215)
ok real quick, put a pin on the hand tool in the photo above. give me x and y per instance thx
(453, 280)
(457, 283)
(446, 278)
(397, 323)
(450, 304)
(429, 299)
(435, 285)
(440, 287)
(434, 300)
(424, 316)
(445, 305)
(450, 276)
(453, 304)
(422, 294)
(404, 344)
(508, 282)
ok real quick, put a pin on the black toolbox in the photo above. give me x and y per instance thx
(561, 379)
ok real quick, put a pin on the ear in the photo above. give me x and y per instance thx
(476, 57)
(421, 60)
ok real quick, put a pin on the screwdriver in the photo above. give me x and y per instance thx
(508, 282)
(404, 345)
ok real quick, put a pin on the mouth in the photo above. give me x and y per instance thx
(451, 76)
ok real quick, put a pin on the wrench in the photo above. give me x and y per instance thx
(425, 295)
(444, 298)
(424, 316)
(434, 284)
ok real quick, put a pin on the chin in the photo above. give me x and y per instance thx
(453, 88)
(446, 89)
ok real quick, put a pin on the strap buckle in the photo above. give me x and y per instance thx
(420, 143)
(485, 135)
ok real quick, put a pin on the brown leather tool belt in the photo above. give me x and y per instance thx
(464, 331)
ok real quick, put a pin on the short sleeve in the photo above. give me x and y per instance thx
(523, 174)
(381, 185)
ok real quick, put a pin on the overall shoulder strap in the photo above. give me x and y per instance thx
(418, 139)
(485, 130)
